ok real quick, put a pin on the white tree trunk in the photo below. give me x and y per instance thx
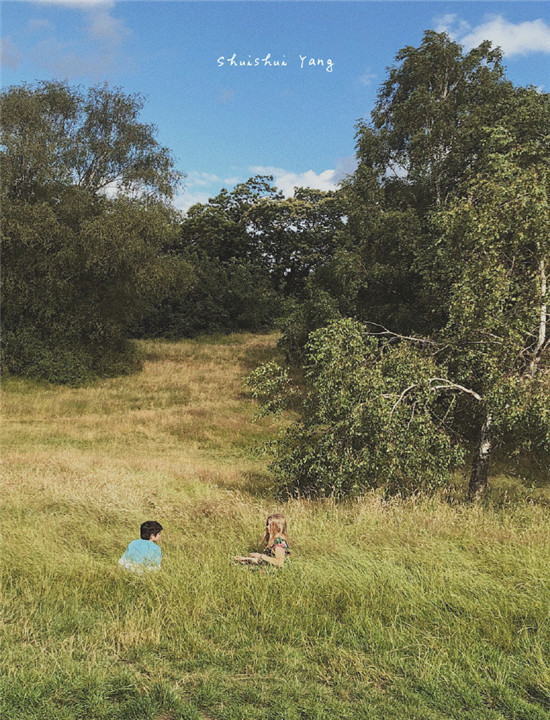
(543, 321)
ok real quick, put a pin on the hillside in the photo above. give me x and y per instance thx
(388, 610)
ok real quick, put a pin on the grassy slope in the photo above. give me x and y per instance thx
(417, 610)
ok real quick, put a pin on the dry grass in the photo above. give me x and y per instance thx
(419, 609)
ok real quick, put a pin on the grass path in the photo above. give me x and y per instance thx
(388, 611)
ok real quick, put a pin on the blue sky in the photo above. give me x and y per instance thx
(225, 123)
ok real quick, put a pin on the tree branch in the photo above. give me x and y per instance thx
(454, 386)
(401, 337)
(411, 387)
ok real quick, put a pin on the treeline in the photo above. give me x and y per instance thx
(252, 252)
(94, 253)
(414, 299)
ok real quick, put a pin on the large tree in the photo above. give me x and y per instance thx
(446, 244)
(85, 217)
(492, 262)
(55, 135)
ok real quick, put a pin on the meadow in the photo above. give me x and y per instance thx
(419, 609)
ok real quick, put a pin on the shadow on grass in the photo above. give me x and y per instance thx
(258, 353)
(258, 485)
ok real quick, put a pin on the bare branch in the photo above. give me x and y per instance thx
(411, 387)
(385, 331)
(453, 386)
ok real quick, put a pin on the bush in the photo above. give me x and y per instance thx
(225, 297)
(317, 311)
(369, 416)
(25, 353)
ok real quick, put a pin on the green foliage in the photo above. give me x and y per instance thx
(425, 126)
(79, 267)
(295, 235)
(224, 296)
(252, 251)
(522, 416)
(219, 228)
(317, 310)
(490, 268)
(57, 135)
(447, 238)
(370, 415)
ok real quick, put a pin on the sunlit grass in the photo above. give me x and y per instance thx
(412, 609)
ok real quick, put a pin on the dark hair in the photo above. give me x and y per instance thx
(151, 527)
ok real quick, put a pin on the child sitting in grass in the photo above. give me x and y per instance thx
(144, 554)
(276, 544)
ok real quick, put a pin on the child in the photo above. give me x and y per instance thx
(144, 554)
(276, 544)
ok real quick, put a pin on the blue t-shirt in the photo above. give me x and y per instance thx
(141, 553)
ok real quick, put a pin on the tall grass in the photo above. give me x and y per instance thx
(416, 609)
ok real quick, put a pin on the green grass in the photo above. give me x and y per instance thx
(414, 610)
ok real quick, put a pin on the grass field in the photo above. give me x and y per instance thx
(402, 610)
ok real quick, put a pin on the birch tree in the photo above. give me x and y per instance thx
(445, 251)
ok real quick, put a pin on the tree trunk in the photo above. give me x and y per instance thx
(480, 464)
(543, 322)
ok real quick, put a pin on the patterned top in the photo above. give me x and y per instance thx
(278, 542)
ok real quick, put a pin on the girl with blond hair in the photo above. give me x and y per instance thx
(276, 544)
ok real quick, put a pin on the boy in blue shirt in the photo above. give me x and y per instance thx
(144, 554)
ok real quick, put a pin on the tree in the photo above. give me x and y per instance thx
(55, 136)
(288, 237)
(253, 251)
(445, 249)
(493, 257)
(295, 235)
(425, 126)
(370, 414)
(80, 266)
(219, 227)
(232, 289)
(425, 136)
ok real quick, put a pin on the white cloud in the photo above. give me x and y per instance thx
(70, 57)
(514, 39)
(104, 27)
(202, 179)
(186, 199)
(201, 186)
(451, 24)
(10, 54)
(344, 166)
(286, 180)
(367, 77)
(520, 39)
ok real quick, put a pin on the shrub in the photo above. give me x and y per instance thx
(369, 416)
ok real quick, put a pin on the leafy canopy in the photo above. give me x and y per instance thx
(445, 251)
(79, 265)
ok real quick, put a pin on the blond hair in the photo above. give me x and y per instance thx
(277, 524)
